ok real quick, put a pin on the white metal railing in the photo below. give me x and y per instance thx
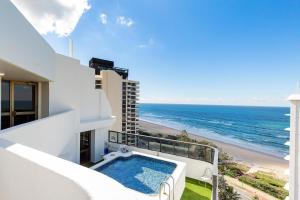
(162, 186)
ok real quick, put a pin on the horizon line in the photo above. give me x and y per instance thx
(195, 104)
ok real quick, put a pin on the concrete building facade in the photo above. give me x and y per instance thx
(123, 94)
(52, 119)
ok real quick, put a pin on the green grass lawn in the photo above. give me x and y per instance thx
(195, 190)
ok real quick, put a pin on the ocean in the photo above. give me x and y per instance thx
(256, 128)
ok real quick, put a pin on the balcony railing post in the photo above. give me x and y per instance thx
(117, 137)
(108, 136)
(160, 145)
(208, 155)
(174, 148)
(215, 187)
(188, 153)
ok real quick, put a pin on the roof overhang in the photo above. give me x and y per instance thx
(13, 72)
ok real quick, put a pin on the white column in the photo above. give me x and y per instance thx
(99, 138)
(294, 163)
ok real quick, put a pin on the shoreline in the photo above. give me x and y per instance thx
(251, 157)
(201, 137)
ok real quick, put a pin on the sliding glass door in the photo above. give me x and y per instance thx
(18, 103)
(85, 147)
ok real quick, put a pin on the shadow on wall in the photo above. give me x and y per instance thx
(51, 134)
(51, 177)
(14, 182)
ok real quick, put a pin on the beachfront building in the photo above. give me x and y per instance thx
(122, 94)
(54, 119)
(294, 162)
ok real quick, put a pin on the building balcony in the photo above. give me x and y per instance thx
(198, 158)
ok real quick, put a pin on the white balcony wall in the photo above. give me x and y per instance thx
(22, 46)
(56, 135)
(29, 174)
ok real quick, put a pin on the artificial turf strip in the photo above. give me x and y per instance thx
(195, 190)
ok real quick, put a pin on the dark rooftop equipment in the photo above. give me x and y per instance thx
(100, 64)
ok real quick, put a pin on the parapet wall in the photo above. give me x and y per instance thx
(29, 174)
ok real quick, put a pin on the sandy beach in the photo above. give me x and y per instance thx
(256, 160)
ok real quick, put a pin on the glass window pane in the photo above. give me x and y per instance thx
(113, 136)
(85, 147)
(5, 96)
(24, 97)
(167, 147)
(84, 141)
(21, 119)
(5, 122)
(154, 144)
(181, 149)
(143, 142)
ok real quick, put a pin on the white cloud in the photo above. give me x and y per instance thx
(53, 16)
(149, 43)
(103, 18)
(125, 21)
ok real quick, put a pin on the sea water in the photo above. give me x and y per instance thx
(257, 128)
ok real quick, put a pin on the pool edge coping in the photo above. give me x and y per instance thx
(177, 173)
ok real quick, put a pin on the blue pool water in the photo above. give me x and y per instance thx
(139, 173)
(259, 128)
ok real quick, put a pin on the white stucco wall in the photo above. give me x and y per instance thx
(99, 137)
(112, 86)
(64, 91)
(90, 98)
(194, 168)
(74, 88)
(55, 135)
(29, 174)
(59, 135)
(22, 45)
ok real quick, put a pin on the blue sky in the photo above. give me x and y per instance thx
(196, 51)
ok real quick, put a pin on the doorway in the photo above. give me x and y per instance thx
(85, 147)
(18, 103)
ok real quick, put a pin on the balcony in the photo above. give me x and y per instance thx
(198, 157)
